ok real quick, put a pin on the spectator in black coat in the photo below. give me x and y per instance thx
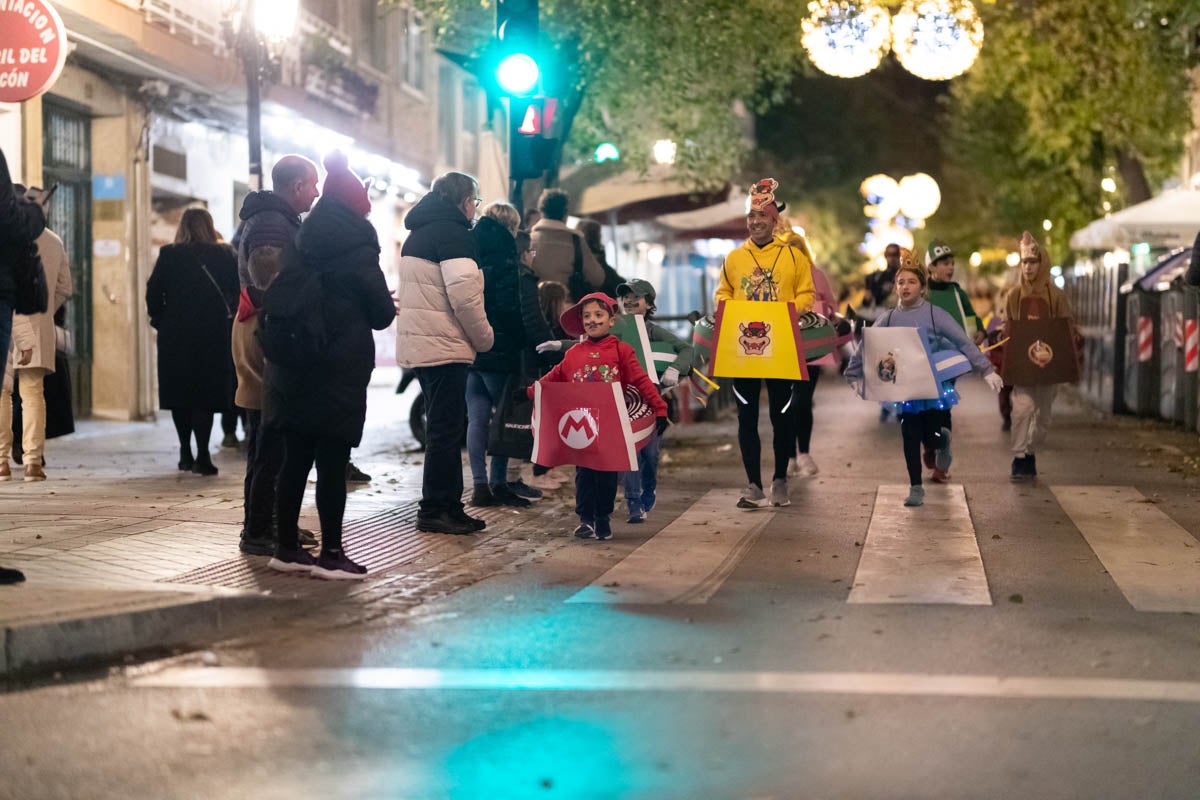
(190, 297)
(21, 223)
(320, 409)
(510, 301)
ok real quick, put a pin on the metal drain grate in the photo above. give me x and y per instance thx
(379, 542)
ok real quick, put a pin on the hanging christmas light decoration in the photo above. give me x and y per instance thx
(937, 39)
(846, 38)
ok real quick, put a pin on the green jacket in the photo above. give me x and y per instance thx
(685, 352)
(942, 294)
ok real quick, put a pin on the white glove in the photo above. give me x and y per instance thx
(994, 382)
(549, 346)
(858, 387)
(669, 378)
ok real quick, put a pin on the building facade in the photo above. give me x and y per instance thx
(149, 119)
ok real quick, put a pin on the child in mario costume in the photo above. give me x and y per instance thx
(766, 268)
(600, 357)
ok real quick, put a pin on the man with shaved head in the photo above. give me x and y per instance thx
(270, 220)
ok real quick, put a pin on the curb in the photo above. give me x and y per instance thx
(32, 647)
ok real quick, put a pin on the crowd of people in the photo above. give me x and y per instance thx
(276, 329)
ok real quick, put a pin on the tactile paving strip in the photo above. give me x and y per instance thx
(379, 542)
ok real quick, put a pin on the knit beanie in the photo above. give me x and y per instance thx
(342, 184)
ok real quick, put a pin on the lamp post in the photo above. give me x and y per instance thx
(261, 23)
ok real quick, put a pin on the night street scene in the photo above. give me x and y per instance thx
(688, 400)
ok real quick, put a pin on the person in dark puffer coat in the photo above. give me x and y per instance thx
(320, 409)
(507, 295)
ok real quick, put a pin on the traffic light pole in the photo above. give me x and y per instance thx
(516, 194)
(250, 48)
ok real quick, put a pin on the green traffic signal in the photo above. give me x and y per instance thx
(518, 74)
(607, 151)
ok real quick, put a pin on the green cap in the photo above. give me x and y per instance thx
(639, 287)
(937, 251)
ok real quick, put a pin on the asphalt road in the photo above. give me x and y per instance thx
(747, 674)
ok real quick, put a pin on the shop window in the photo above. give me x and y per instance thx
(373, 38)
(415, 50)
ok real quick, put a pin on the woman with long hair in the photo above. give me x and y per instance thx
(191, 297)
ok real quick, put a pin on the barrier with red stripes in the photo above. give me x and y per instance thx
(1145, 338)
(1191, 349)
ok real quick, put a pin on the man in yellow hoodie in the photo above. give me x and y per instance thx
(765, 268)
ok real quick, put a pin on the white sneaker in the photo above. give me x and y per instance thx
(779, 493)
(793, 467)
(805, 465)
(752, 497)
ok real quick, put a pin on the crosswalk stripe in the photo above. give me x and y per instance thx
(687, 561)
(921, 555)
(899, 684)
(1154, 562)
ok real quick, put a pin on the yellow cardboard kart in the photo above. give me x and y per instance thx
(754, 339)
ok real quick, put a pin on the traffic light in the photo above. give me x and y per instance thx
(517, 69)
(531, 153)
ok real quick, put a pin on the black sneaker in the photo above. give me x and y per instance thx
(307, 538)
(482, 497)
(10, 576)
(463, 516)
(444, 523)
(256, 545)
(335, 566)
(1031, 466)
(585, 531)
(186, 462)
(1019, 472)
(505, 497)
(523, 489)
(287, 560)
(206, 468)
(356, 475)
(603, 529)
(230, 441)
(636, 515)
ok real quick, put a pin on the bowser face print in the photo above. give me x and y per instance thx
(755, 339)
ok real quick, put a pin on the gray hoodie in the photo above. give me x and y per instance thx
(940, 330)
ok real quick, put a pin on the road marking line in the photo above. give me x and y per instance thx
(857, 683)
(1154, 562)
(687, 561)
(921, 555)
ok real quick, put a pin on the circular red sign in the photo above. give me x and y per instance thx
(33, 49)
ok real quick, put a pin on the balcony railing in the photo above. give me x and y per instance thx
(198, 20)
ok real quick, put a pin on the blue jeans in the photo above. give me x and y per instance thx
(641, 485)
(6, 316)
(483, 395)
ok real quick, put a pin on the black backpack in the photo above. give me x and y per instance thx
(292, 330)
(32, 295)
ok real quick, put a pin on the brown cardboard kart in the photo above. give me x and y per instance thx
(1040, 352)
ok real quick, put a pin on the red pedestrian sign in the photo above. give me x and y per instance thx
(33, 49)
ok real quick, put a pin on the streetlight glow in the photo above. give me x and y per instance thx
(846, 38)
(1047, 225)
(275, 20)
(920, 196)
(1108, 185)
(664, 151)
(976, 259)
(937, 39)
(1012, 259)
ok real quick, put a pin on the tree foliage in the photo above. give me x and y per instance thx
(687, 70)
(1066, 93)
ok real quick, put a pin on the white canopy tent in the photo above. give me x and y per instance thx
(1170, 220)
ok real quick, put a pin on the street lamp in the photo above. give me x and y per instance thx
(261, 24)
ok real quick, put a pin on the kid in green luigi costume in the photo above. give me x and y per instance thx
(945, 293)
(637, 297)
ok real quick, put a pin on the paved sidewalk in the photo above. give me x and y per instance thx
(121, 551)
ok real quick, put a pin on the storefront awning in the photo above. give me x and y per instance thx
(1170, 220)
(725, 220)
(633, 197)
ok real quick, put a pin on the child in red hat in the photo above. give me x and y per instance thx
(600, 357)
